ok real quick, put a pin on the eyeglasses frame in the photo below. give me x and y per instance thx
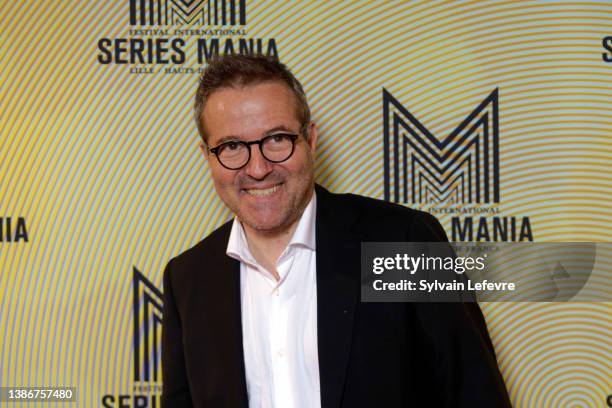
(259, 142)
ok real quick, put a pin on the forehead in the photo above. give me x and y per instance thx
(249, 111)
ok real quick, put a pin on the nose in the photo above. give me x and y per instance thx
(258, 167)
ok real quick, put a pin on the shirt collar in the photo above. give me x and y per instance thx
(304, 235)
(305, 232)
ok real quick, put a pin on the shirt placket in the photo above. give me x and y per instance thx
(278, 345)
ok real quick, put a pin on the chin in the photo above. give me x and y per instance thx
(264, 226)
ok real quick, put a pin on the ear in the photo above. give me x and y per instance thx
(312, 136)
(204, 150)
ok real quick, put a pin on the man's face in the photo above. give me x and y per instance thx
(266, 196)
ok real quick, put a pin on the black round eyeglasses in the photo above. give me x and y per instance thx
(275, 148)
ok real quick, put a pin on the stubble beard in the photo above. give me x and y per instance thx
(291, 211)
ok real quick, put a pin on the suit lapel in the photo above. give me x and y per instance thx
(222, 324)
(338, 263)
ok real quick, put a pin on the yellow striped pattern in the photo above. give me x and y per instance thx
(106, 169)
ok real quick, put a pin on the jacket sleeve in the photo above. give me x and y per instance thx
(463, 358)
(175, 389)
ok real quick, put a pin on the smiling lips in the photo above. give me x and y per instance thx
(262, 192)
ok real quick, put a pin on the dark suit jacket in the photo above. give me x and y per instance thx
(370, 354)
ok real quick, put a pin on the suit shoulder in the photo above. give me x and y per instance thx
(378, 208)
(387, 216)
(213, 243)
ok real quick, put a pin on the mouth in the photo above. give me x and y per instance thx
(262, 192)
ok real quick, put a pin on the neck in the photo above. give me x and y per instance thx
(266, 248)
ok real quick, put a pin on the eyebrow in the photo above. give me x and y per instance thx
(266, 133)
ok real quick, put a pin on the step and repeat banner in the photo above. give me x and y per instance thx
(496, 117)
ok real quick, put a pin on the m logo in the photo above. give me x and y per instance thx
(462, 168)
(147, 329)
(186, 12)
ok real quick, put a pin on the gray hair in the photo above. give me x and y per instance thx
(235, 70)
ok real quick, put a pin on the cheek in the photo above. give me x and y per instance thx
(222, 180)
(304, 165)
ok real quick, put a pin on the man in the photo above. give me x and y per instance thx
(266, 310)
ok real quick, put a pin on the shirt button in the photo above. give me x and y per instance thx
(276, 292)
(280, 353)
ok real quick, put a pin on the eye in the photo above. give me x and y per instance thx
(231, 146)
(279, 138)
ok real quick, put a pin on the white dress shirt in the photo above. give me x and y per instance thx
(279, 320)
